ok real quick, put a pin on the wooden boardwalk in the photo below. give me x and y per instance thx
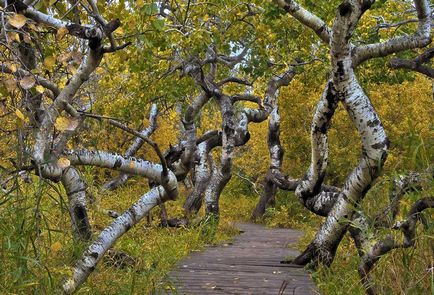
(248, 265)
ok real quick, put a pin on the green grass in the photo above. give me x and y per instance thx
(37, 250)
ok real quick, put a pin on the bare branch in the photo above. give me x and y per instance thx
(234, 80)
(153, 144)
(416, 64)
(39, 80)
(307, 18)
(421, 38)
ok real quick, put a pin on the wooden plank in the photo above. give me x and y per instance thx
(250, 264)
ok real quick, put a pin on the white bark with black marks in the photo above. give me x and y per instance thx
(344, 87)
(222, 175)
(371, 250)
(110, 234)
(133, 148)
(40, 151)
(130, 165)
(76, 191)
(202, 175)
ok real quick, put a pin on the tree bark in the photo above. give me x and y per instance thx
(132, 150)
(76, 191)
(110, 234)
(222, 175)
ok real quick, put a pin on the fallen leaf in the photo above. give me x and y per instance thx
(17, 21)
(40, 89)
(63, 163)
(49, 62)
(27, 82)
(56, 246)
(61, 33)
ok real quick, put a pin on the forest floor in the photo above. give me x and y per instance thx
(250, 264)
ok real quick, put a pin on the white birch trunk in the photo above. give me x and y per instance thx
(110, 234)
(132, 150)
(76, 191)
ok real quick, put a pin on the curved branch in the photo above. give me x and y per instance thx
(110, 234)
(39, 80)
(307, 18)
(374, 145)
(421, 38)
(400, 186)
(201, 177)
(134, 147)
(415, 64)
(153, 172)
(84, 32)
(221, 176)
(376, 250)
(153, 144)
(311, 183)
(89, 64)
(190, 129)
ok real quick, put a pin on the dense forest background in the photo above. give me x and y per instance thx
(38, 247)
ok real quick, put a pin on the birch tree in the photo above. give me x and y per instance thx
(343, 87)
(204, 56)
(64, 112)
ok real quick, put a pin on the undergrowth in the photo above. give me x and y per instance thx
(37, 250)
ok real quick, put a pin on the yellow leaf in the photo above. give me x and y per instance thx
(34, 27)
(119, 31)
(61, 33)
(12, 67)
(20, 115)
(56, 246)
(40, 89)
(17, 21)
(66, 124)
(132, 165)
(17, 37)
(63, 163)
(71, 69)
(61, 123)
(10, 85)
(49, 62)
(140, 3)
(27, 82)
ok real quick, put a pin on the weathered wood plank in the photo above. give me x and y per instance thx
(250, 264)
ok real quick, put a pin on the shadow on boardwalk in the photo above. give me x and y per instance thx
(248, 265)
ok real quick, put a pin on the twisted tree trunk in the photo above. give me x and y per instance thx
(222, 175)
(343, 86)
(110, 234)
(76, 191)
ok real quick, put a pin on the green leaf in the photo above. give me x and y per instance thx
(158, 24)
